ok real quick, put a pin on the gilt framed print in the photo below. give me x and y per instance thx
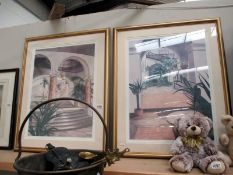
(8, 96)
(64, 65)
(164, 72)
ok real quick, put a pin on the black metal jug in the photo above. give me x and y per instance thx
(37, 164)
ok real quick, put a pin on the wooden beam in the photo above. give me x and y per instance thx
(57, 11)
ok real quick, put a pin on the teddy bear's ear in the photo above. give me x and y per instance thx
(209, 121)
(225, 119)
(176, 123)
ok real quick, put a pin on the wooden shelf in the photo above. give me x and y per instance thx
(129, 166)
(6, 166)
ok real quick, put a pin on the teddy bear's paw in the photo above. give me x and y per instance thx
(182, 163)
(216, 167)
(226, 158)
(180, 167)
(224, 139)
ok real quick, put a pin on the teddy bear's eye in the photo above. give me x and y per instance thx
(188, 125)
(232, 127)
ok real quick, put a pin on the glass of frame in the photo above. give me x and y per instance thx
(8, 95)
(163, 72)
(65, 65)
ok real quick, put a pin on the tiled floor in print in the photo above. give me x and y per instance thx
(153, 127)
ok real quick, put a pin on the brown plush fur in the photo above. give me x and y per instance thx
(193, 147)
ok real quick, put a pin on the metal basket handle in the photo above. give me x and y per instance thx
(59, 99)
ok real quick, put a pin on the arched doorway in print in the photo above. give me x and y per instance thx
(72, 80)
(63, 75)
(75, 70)
(40, 90)
(158, 98)
(41, 79)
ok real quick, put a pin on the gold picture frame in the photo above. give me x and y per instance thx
(149, 61)
(75, 65)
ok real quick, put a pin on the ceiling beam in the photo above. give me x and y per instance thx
(145, 2)
(92, 7)
(89, 6)
(57, 11)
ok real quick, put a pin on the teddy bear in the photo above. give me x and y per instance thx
(226, 139)
(193, 147)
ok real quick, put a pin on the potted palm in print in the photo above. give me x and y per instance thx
(41, 121)
(198, 94)
(79, 88)
(44, 84)
(136, 88)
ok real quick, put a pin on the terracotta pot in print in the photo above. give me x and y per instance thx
(138, 112)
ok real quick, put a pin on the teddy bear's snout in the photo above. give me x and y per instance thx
(193, 128)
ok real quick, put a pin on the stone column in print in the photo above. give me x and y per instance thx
(52, 85)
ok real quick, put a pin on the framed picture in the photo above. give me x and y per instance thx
(65, 65)
(163, 72)
(8, 95)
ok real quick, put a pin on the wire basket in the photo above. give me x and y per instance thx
(37, 163)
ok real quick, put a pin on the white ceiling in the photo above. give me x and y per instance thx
(12, 14)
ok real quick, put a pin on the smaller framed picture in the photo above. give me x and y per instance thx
(8, 95)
